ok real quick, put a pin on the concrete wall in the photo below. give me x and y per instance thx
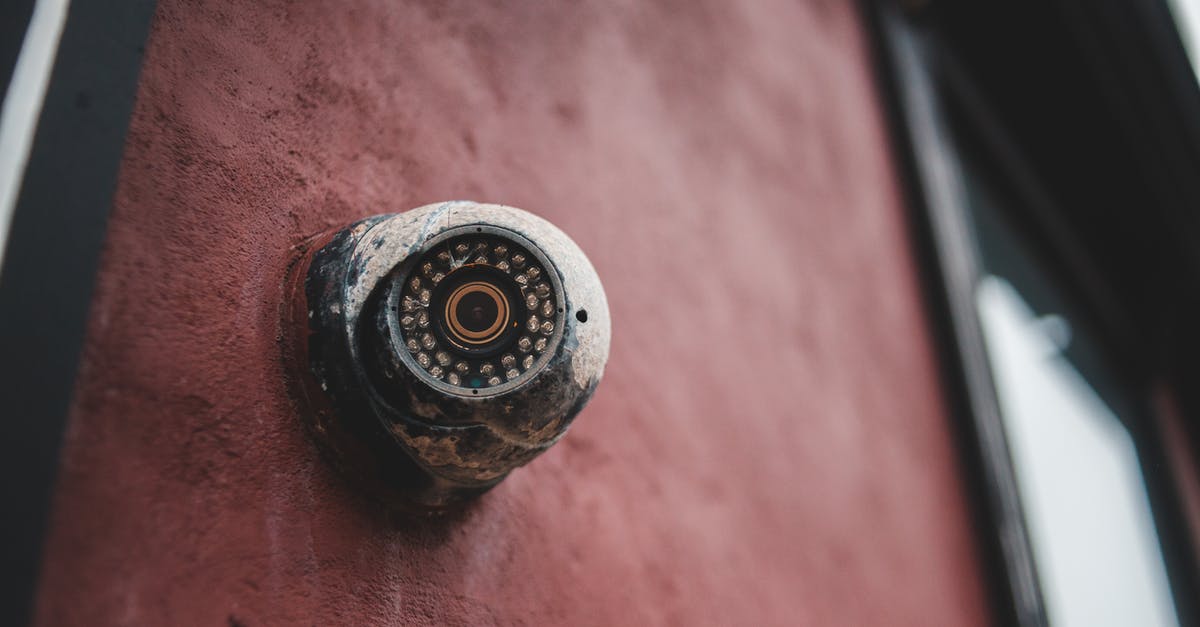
(769, 445)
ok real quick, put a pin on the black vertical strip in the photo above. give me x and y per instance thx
(50, 265)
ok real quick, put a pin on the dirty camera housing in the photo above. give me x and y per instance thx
(442, 347)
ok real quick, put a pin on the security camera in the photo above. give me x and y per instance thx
(442, 347)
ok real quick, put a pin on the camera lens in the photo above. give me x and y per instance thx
(474, 307)
(476, 313)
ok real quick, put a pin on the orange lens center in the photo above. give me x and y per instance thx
(476, 313)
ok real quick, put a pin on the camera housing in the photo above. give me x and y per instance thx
(440, 348)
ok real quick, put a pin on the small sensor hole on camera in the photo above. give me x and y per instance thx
(581, 315)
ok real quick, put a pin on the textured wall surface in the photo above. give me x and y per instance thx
(768, 446)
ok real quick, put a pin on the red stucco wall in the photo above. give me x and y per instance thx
(768, 446)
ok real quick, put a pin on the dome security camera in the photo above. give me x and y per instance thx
(442, 347)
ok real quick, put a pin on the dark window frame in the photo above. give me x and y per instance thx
(934, 91)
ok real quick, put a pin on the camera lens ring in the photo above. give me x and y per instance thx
(499, 297)
(513, 269)
(470, 306)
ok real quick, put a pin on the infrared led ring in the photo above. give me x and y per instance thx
(477, 311)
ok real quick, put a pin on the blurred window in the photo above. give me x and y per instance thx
(1069, 418)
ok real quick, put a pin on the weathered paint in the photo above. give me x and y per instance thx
(768, 446)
